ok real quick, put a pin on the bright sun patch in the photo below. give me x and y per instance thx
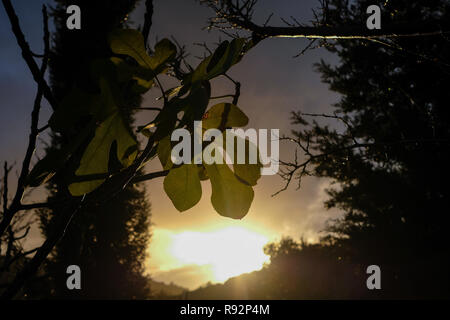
(230, 252)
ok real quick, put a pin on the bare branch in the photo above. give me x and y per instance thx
(147, 20)
(9, 213)
(237, 89)
(27, 53)
(31, 206)
(149, 109)
(308, 47)
(63, 220)
(24, 235)
(231, 14)
(224, 96)
(43, 128)
(313, 153)
(150, 176)
(5, 186)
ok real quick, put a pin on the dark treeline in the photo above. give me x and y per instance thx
(296, 271)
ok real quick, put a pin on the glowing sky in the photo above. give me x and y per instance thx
(229, 252)
(218, 253)
(273, 85)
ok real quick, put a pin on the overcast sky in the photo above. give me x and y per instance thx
(273, 84)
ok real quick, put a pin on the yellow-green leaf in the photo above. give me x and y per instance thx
(214, 117)
(183, 187)
(46, 168)
(125, 72)
(249, 171)
(224, 57)
(131, 43)
(202, 174)
(230, 57)
(164, 153)
(230, 197)
(96, 156)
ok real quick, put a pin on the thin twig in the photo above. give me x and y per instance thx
(10, 212)
(147, 20)
(27, 53)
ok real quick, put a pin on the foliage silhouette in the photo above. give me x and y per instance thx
(107, 240)
(389, 158)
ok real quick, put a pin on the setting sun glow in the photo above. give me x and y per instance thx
(229, 252)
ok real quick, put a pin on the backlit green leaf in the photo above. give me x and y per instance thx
(234, 116)
(142, 77)
(202, 174)
(195, 104)
(223, 58)
(164, 153)
(95, 158)
(54, 160)
(182, 185)
(248, 169)
(131, 43)
(231, 56)
(230, 197)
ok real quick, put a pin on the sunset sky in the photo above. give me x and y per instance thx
(184, 246)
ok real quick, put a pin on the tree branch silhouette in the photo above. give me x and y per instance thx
(239, 15)
(27, 54)
(9, 213)
(147, 20)
(311, 142)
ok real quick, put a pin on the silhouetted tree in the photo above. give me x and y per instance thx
(389, 155)
(107, 239)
